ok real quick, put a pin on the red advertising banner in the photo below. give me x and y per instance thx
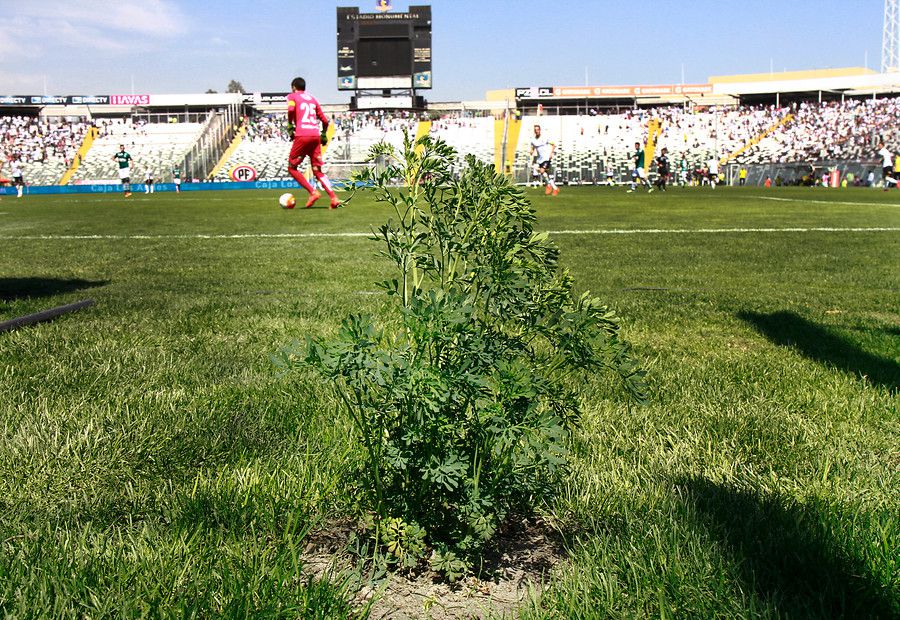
(129, 100)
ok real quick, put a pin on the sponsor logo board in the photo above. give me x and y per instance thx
(243, 172)
(129, 99)
(568, 92)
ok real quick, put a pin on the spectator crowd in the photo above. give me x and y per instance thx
(35, 140)
(799, 132)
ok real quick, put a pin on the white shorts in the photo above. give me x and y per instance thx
(124, 173)
(177, 181)
(640, 173)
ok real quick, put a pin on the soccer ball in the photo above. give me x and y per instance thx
(287, 201)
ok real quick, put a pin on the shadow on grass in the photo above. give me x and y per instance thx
(24, 288)
(819, 344)
(785, 553)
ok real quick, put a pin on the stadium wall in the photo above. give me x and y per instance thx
(112, 188)
(803, 173)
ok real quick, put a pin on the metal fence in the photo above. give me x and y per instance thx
(218, 131)
(807, 173)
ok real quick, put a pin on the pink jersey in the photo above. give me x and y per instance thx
(305, 113)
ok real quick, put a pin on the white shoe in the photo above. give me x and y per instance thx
(631, 191)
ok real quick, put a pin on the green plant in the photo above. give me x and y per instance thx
(404, 543)
(465, 396)
(110, 417)
(444, 561)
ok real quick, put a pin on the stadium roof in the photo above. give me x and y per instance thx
(854, 81)
(812, 74)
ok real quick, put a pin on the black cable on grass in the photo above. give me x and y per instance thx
(44, 315)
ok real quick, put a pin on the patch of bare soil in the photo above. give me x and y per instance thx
(516, 567)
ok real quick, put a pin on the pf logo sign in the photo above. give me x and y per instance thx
(243, 172)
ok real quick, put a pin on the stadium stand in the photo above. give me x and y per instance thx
(356, 133)
(468, 135)
(267, 144)
(833, 131)
(44, 146)
(154, 146)
(595, 147)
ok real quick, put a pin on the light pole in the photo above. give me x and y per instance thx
(890, 40)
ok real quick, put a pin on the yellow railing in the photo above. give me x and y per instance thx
(330, 134)
(513, 128)
(235, 142)
(86, 144)
(783, 121)
(654, 128)
(423, 128)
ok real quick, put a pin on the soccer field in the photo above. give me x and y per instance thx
(153, 460)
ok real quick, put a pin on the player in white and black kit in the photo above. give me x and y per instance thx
(542, 150)
(535, 173)
(887, 166)
(712, 167)
(148, 182)
(18, 180)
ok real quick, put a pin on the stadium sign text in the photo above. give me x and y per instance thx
(89, 99)
(48, 100)
(568, 92)
(534, 92)
(261, 98)
(365, 17)
(243, 173)
(129, 99)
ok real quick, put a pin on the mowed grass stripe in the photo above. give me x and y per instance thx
(323, 235)
(829, 202)
(152, 457)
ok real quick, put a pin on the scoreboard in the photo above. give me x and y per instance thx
(383, 51)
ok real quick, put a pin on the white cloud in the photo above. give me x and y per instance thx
(156, 18)
(20, 83)
(11, 43)
(104, 25)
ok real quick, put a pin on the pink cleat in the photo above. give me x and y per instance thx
(313, 198)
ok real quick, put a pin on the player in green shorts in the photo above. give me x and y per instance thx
(124, 160)
(639, 173)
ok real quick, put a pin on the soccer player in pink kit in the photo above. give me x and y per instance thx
(304, 114)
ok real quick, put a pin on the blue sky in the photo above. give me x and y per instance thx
(176, 46)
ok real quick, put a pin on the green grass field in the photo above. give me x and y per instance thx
(154, 463)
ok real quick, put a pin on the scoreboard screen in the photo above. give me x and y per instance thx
(384, 50)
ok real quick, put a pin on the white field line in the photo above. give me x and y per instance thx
(831, 202)
(150, 197)
(327, 235)
(707, 231)
(194, 236)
